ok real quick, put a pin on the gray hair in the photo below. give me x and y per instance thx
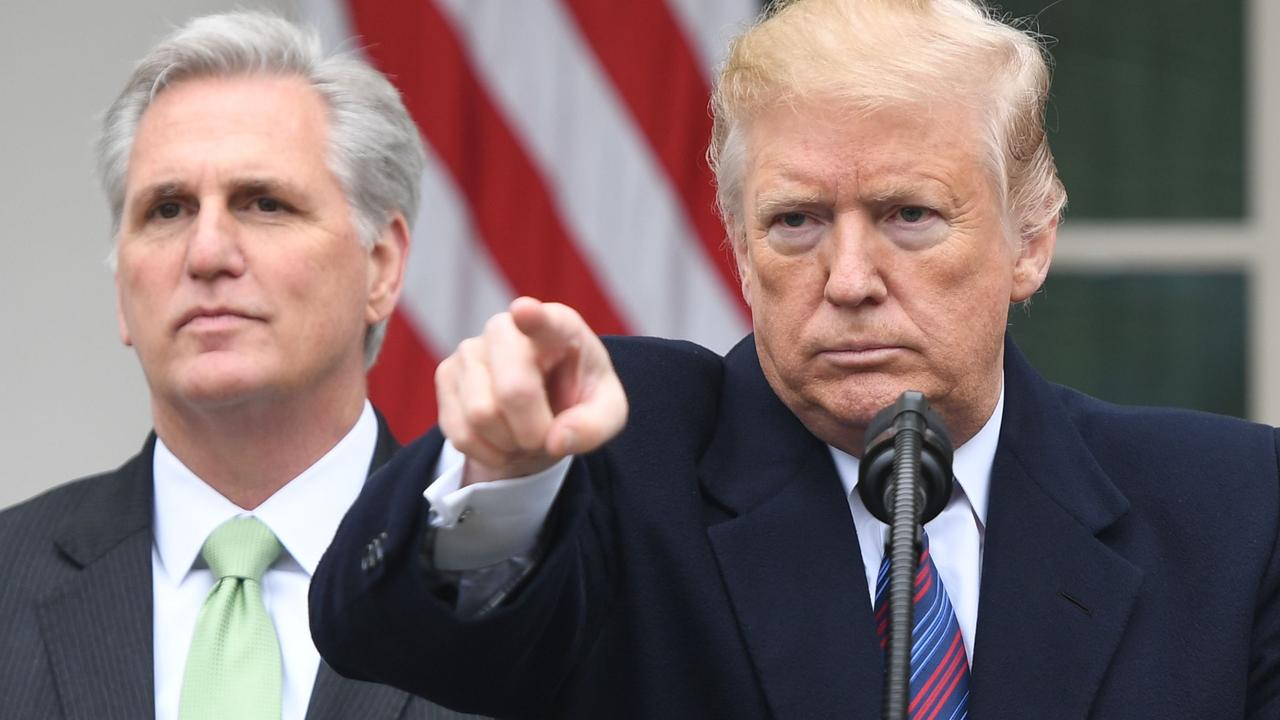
(375, 150)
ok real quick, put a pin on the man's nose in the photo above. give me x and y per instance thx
(855, 258)
(214, 247)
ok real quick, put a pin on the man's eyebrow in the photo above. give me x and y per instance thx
(256, 185)
(249, 185)
(906, 189)
(771, 201)
(158, 191)
(253, 182)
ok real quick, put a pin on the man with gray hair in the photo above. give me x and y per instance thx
(261, 192)
(641, 528)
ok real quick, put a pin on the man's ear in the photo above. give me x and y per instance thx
(1032, 265)
(387, 259)
(742, 260)
(121, 323)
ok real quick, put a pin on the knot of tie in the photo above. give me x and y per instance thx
(234, 667)
(241, 547)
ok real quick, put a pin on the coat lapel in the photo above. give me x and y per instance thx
(1055, 599)
(97, 628)
(788, 554)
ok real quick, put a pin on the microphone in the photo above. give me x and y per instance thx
(905, 480)
(921, 427)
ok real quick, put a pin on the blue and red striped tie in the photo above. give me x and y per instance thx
(939, 665)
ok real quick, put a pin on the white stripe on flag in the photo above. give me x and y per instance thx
(607, 186)
(711, 24)
(451, 285)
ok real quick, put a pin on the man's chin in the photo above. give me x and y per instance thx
(840, 416)
(857, 400)
(219, 385)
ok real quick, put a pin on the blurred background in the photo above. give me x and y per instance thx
(565, 161)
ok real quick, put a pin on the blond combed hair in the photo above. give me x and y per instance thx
(865, 55)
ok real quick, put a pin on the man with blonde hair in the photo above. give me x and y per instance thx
(641, 528)
(261, 192)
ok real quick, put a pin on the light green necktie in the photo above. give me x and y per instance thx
(233, 669)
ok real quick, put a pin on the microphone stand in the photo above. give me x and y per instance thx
(905, 481)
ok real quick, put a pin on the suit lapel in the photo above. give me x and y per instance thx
(386, 445)
(334, 697)
(1055, 599)
(97, 628)
(789, 554)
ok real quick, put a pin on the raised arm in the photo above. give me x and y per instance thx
(536, 386)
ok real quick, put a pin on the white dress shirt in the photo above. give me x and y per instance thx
(501, 519)
(304, 515)
(955, 537)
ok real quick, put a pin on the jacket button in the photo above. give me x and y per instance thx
(372, 554)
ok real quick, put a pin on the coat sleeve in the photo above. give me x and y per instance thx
(378, 611)
(379, 614)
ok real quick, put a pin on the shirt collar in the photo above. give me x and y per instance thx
(304, 514)
(971, 464)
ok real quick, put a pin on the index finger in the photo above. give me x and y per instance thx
(555, 330)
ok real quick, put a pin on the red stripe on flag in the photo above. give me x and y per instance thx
(646, 55)
(415, 45)
(402, 383)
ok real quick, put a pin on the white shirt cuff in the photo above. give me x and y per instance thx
(486, 523)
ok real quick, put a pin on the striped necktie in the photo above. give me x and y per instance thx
(939, 665)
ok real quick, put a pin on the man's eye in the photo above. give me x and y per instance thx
(167, 210)
(269, 205)
(913, 214)
(793, 219)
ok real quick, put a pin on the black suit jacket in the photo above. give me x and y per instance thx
(76, 599)
(705, 564)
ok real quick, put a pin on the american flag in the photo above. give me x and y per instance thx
(565, 143)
